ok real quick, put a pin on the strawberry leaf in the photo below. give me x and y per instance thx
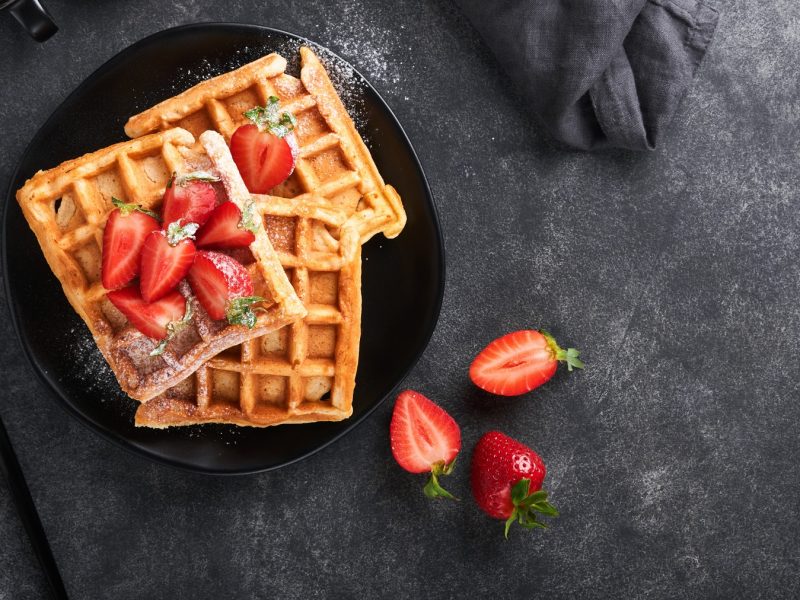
(526, 507)
(240, 311)
(432, 489)
(127, 209)
(182, 180)
(520, 491)
(569, 356)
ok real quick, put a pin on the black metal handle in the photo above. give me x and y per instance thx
(35, 18)
(9, 466)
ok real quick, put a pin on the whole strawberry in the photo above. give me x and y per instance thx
(507, 480)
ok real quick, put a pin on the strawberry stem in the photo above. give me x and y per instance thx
(527, 505)
(569, 356)
(432, 488)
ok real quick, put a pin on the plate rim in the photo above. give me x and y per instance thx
(113, 437)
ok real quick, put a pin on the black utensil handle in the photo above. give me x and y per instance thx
(9, 465)
(35, 18)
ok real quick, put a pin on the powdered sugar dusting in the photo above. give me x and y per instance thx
(348, 83)
(90, 368)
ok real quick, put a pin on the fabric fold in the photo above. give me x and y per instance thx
(599, 73)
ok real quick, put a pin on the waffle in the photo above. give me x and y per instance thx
(333, 162)
(304, 372)
(67, 208)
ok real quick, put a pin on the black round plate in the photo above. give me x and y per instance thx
(403, 279)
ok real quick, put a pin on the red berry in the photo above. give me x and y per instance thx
(506, 480)
(519, 362)
(165, 261)
(424, 439)
(189, 203)
(151, 319)
(222, 229)
(264, 159)
(216, 280)
(123, 238)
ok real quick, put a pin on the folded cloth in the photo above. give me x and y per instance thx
(598, 73)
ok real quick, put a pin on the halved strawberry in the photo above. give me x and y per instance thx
(126, 229)
(151, 319)
(189, 197)
(225, 228)
(424, 439)
(519, 362)
(223, 287)
(264, 159)
(166, 258)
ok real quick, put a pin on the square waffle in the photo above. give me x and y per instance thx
(304, 372)
(333, 161)
(67, 208)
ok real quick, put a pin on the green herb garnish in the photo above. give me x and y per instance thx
(196, 176)
(248, 220)
(127, 209)
(240, 311)
(269, 118)
(177, 232)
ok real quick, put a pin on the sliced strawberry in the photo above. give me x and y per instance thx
(225, 229)
(223, 287)
(264, 159)
(519, 362)
(123, 237)
(424, 439)
(166, 258)
(150, 319)
(188, 199)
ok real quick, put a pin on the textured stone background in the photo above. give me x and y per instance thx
(672, 457)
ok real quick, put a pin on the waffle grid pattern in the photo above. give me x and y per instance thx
(303, 372)
(333, 161)
(67, 208)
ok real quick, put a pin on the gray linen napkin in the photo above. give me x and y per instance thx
(598, 73)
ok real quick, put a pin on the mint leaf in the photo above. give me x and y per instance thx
(240, 311)
(177, 232)
(269, 118)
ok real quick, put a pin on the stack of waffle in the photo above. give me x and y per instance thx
(298, 364)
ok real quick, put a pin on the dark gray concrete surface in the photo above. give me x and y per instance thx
(673, 457)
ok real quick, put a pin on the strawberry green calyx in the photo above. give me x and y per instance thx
(527, 505)
(432, 488)
(172, 330)
(127, 209)
(268, 118)
(177, 232)
(205, 176)
(240, 311)
(248, 220)
(569, 356)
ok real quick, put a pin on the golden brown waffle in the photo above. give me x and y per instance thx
(304, 372)
(67, 208)
(333, 162)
